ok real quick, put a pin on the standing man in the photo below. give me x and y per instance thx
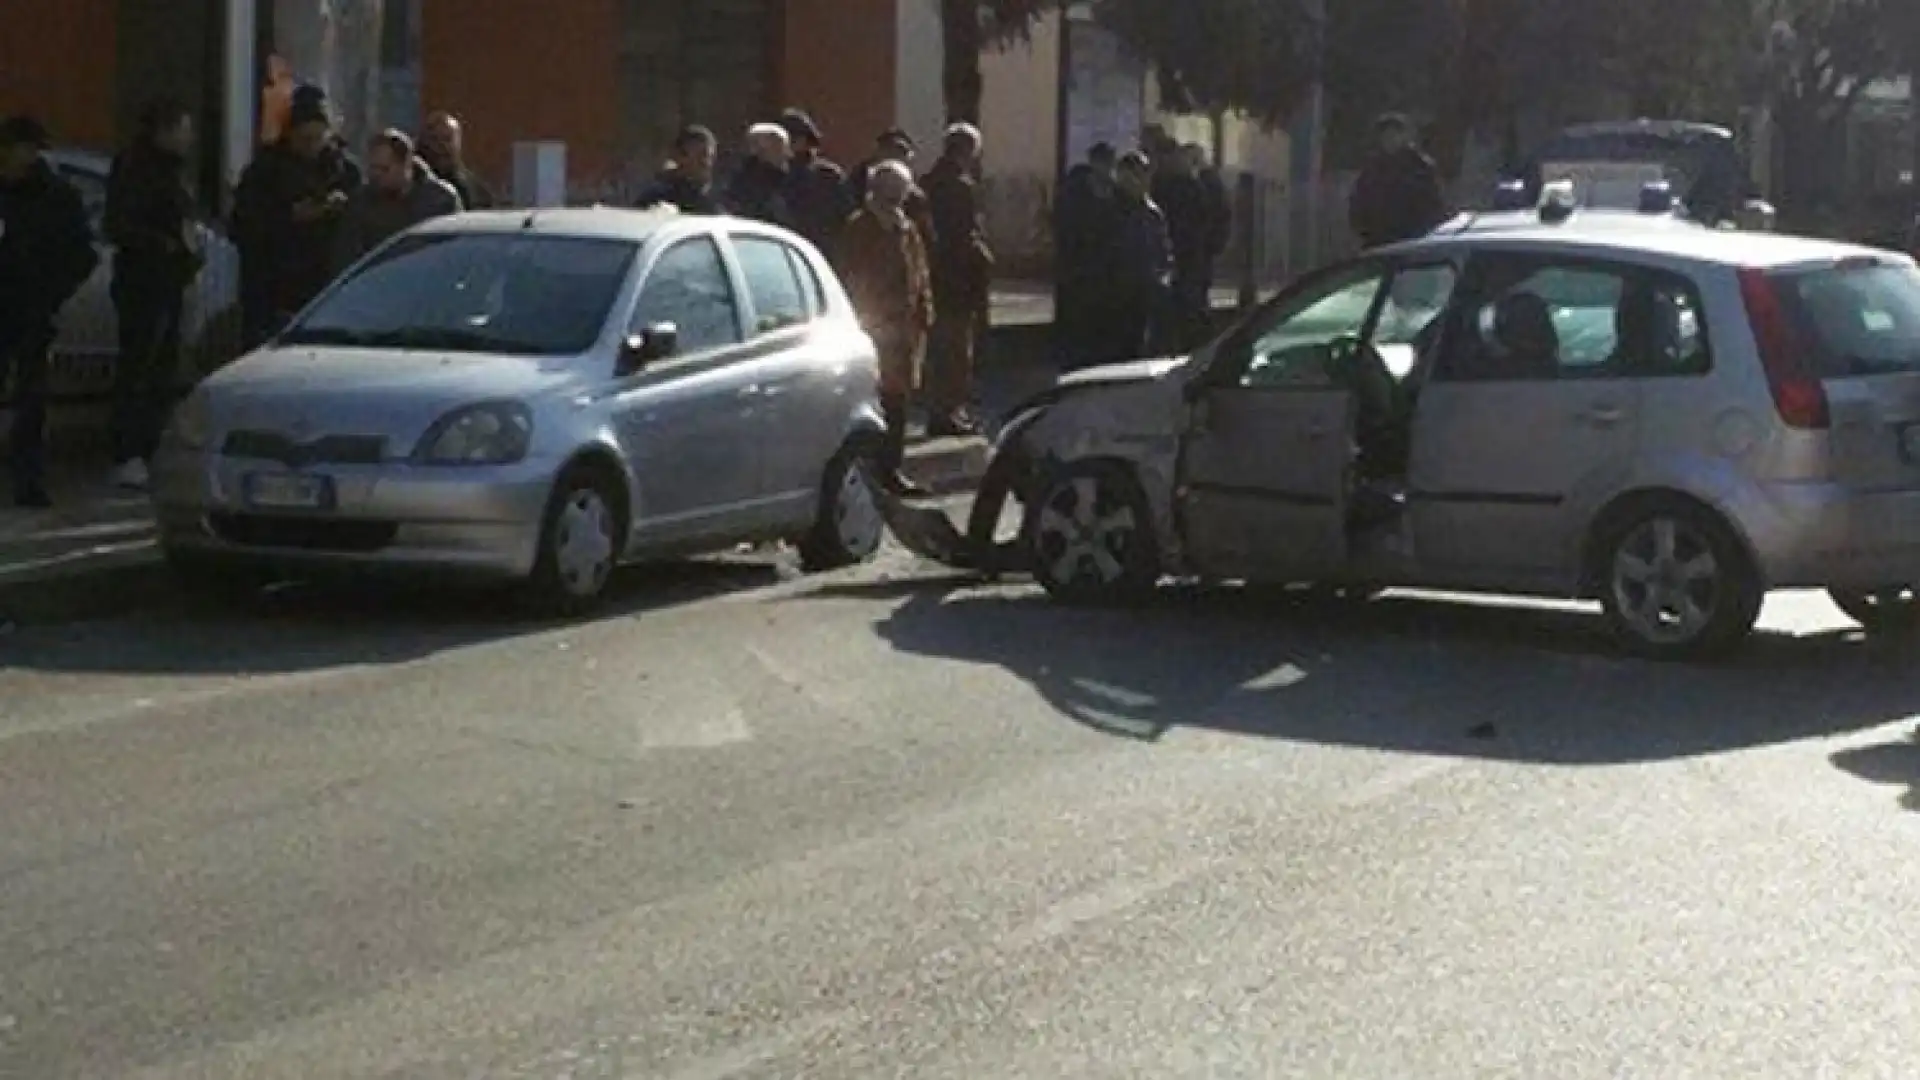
(1219, 215)
(884, 263)
(1397, 195)
(286, 216)
(1086, 220)
(401, 192)
(443, 147)
(816, 186)
(1143, 263)
(687, 181)
(760, 190)
(962, 264)
(897, 146)
(1182, 199)
(46, 254)
(156, 256)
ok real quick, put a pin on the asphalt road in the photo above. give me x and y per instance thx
(888, 824)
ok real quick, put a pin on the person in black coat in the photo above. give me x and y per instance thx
(443, 147)
(1398, 194)
(156, 256)
(286, 216)
(761, 188)
(687, 181)
(1086, 224)
(1142, 262)
(46, 253)
(816, 187)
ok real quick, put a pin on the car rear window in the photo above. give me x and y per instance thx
(1863, 318)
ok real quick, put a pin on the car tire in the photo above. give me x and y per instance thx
(582, 537)
(208, 577)
(848, 528)
(1002, 481)
(1676, 583)
(1089, 536)
(1889, 612)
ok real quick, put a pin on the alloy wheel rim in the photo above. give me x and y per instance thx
(856, 514)
(1084, 533)
(1666, 581)
(584, 543)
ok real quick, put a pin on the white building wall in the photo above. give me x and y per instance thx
(919, 101)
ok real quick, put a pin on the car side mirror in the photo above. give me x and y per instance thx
(655, 343)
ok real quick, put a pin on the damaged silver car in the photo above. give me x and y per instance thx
(1671, 421)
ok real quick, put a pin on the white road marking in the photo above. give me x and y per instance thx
(728, 728)
(1101, 903)
(1279, 678)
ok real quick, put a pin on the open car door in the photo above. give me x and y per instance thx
(1269, 453)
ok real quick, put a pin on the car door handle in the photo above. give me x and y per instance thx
(773, 391)
(1317, 432)
(749, 391)
(1604, 415)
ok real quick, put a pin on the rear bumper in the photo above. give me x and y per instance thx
(1821, 535)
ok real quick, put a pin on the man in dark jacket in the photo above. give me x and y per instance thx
(1398, 194)
(156, 256)
(401, 192)
(1182, 197)
(817, 187)
(687, 181)
(894, 145)
(46, 254)
(1143, 264)
(760, 189)
(286, 215)
(962, 264)
(443, 148)
(1086, 224)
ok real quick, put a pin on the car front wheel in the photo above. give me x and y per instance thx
(580, 544)
(1677, 584)
(1890, 611)
(1089, 536)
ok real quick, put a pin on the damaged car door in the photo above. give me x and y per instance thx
(1269, 452)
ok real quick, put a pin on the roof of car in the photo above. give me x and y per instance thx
(1616, 232)
(596, 222)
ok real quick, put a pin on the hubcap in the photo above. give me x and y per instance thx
(1084, 533)
(583, 543)
(1666, 581)
(856, 514)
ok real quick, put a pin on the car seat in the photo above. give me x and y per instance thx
(1529, 344)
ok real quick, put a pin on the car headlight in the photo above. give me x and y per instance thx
(191, 425)
(492, 433)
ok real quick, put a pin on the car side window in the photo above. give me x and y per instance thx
(689, 287)
(1295, 348)
(773, 282)
(1412, 314)
(809, 283)
(1534, 319)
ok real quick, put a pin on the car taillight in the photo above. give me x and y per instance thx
(1797, 393)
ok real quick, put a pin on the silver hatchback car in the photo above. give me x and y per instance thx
(1667, 418)
(538, 396)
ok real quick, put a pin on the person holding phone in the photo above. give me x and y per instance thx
(287, 214)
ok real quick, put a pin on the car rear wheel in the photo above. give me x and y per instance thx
(849, 528)
(580, 544)
(1677, 584)
(1089, 536)
(1892, 611)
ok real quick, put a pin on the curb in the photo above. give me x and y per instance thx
(134, 578)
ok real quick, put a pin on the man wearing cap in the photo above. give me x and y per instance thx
(46, 254)
(817, 187)
(897, 146)
(287, 212)
(1397, 195)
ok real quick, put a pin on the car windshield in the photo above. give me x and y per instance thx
(1864, 316)
(514, 293)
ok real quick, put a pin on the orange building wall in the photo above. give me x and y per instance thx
(525, 71)
(57, 62)
(839, 64)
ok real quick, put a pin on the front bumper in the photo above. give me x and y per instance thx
(482, 521)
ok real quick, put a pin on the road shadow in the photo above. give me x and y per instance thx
(302, 627)
(1489, 680)
(1895, 763)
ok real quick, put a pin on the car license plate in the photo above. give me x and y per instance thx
(288, 491)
